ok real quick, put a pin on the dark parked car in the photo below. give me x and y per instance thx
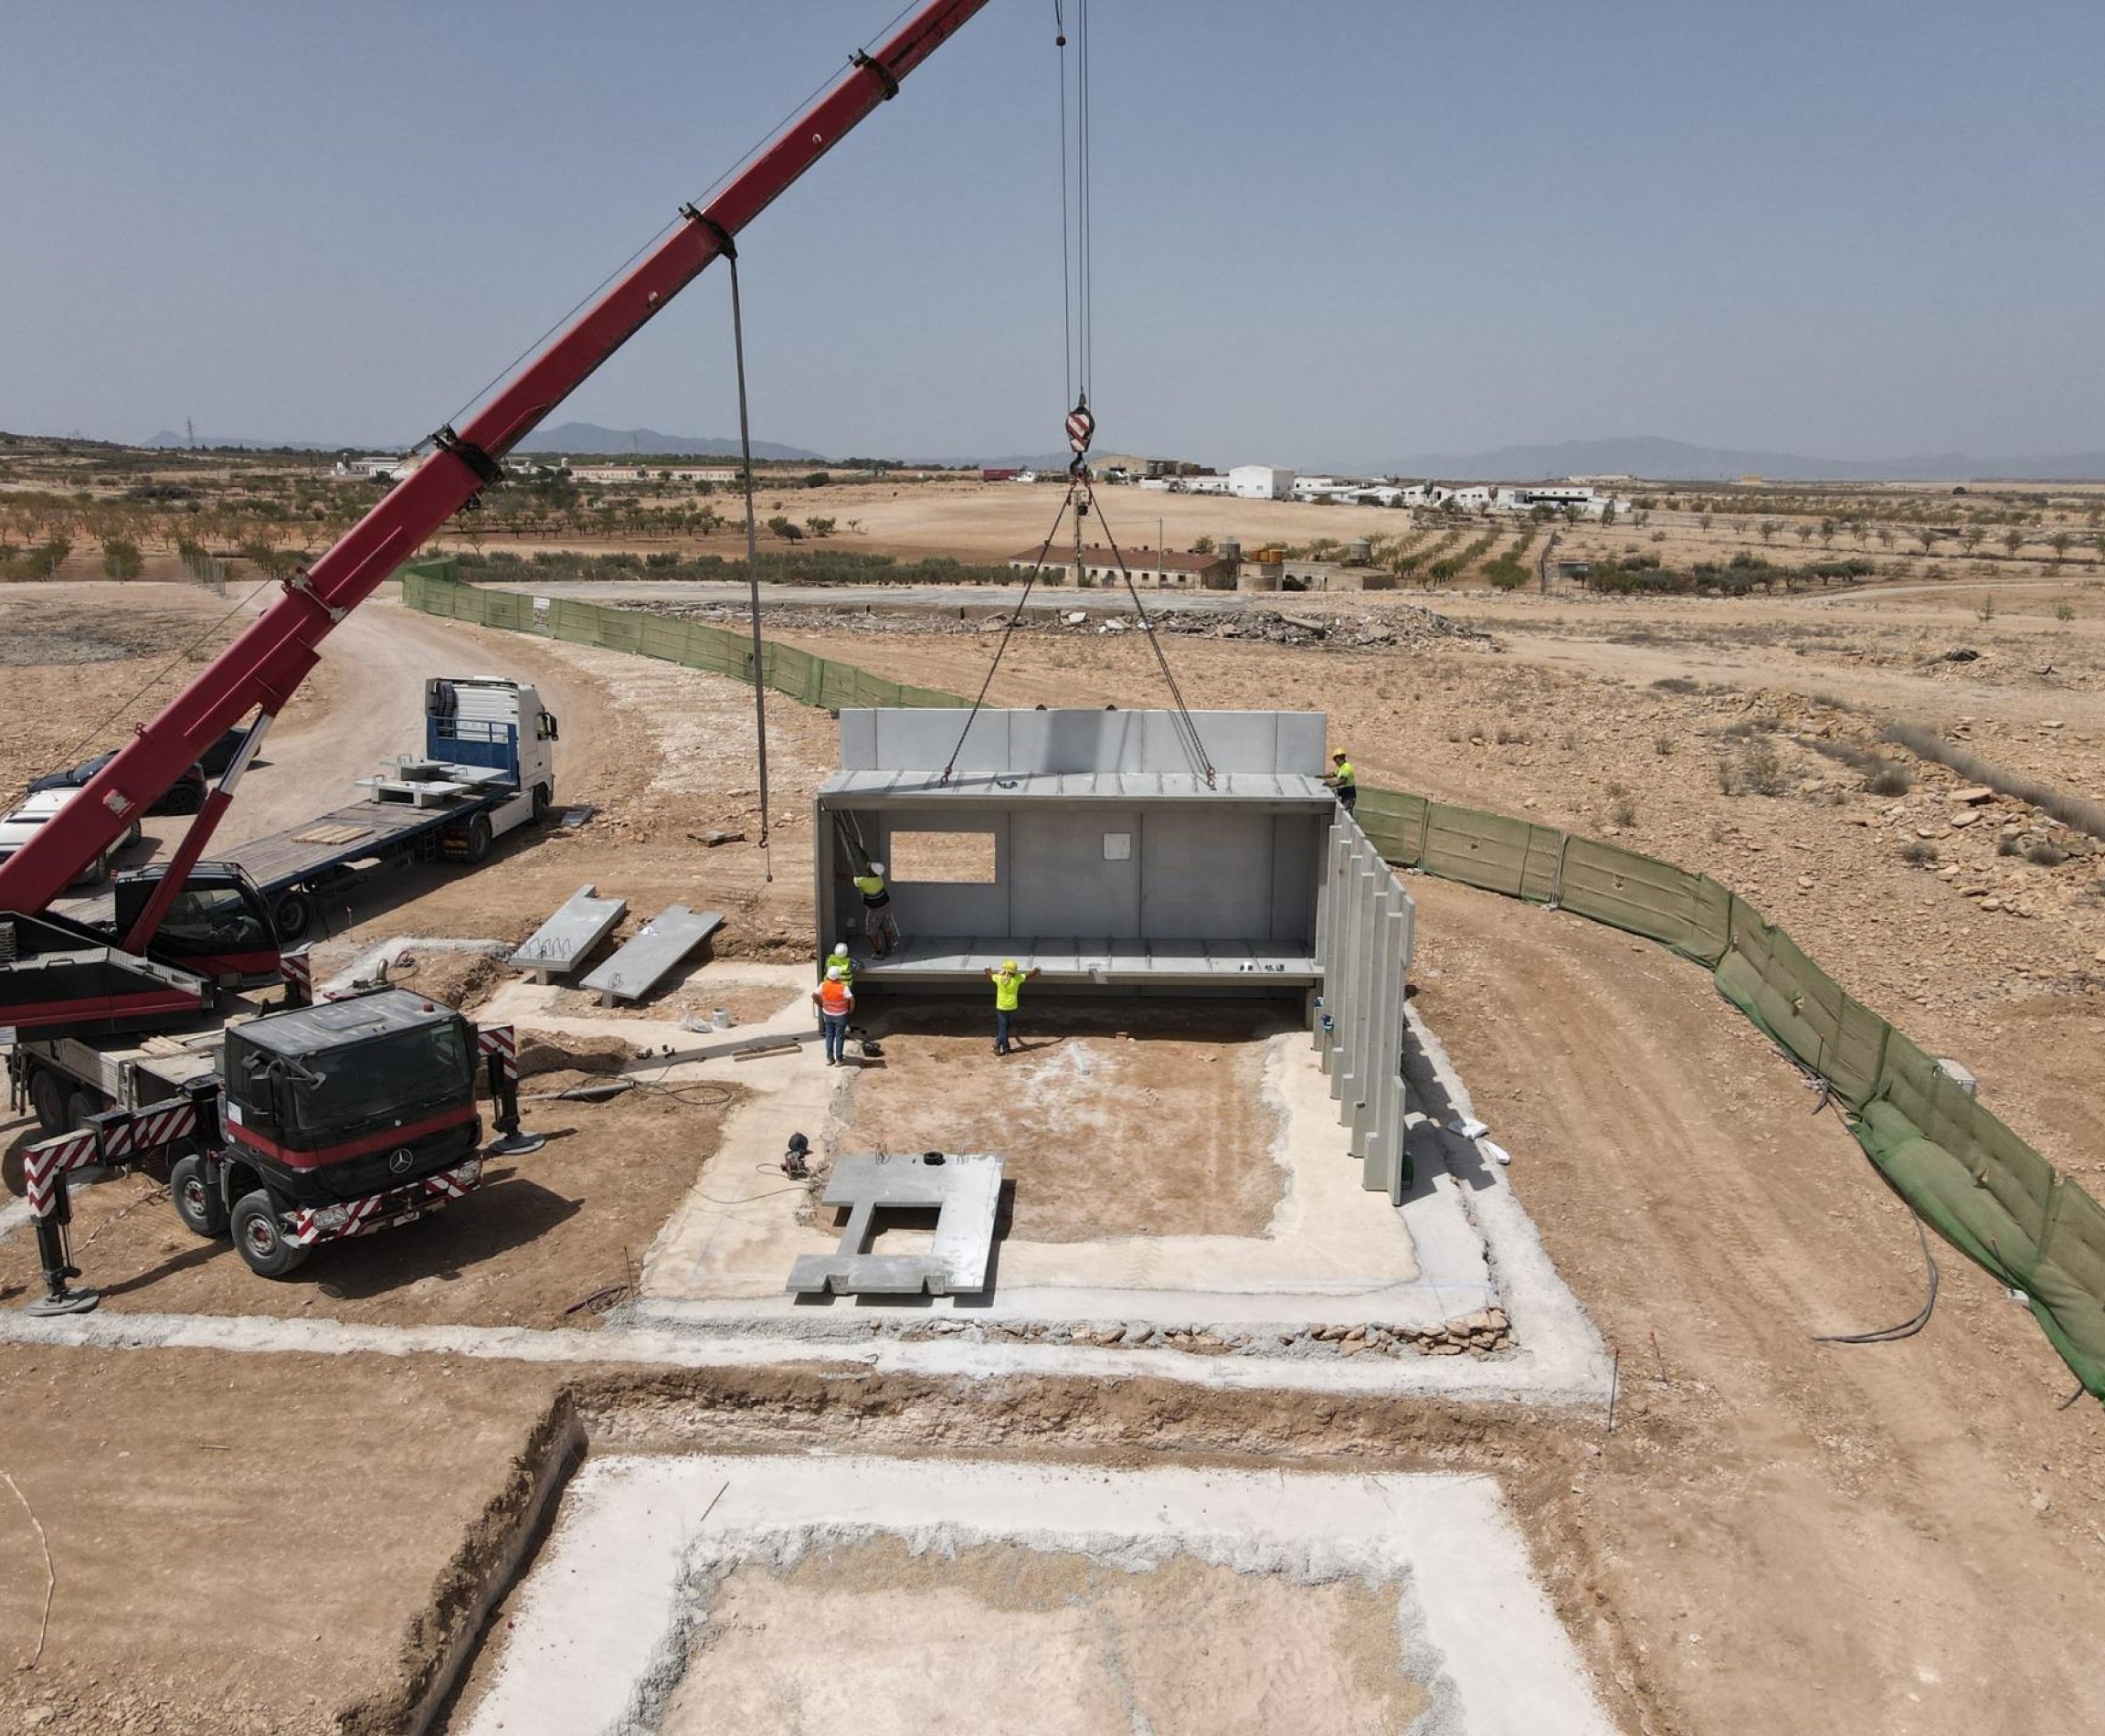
(186, 796)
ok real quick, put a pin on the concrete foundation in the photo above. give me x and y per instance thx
(1293, 1600)
(1341, 1290)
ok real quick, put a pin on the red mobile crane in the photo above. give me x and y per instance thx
(304, 1114)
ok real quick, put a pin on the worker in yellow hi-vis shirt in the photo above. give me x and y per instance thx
(1344, 780)
(878, 926)
(1008, 994)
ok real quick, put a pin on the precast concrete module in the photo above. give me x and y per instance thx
(1092, 846)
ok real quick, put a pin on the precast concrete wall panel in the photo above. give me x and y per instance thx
(1365, 926)
(1059, 879)
(1296, 858)
(1206, 871)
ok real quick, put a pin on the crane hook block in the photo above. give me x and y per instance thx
(1081, 427)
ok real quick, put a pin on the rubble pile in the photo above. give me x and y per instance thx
(1399, 625)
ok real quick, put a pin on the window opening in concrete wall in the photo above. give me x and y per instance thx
(947, 858)
(1117, 846)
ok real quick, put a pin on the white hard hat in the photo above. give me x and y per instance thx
(876, 867)
(840, 948)
(832, 973)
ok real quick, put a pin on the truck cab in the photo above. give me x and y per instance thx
(218, 927)
(340, 1118)
(490, 723)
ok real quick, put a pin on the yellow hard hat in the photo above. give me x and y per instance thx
(1007, 964)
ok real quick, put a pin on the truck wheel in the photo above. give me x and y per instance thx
(260, 1238)
(196, 1201)
(479, 839)
(544, 799)
(48, 1098)
(80, 1106)
(295, 916)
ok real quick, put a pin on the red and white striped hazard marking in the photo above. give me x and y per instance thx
(43, 1164)
(298, 970)
(377, 1210)
(149, 1129)
(1081, 429)
(502, 1041)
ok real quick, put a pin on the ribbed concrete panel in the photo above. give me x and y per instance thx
(1364, 931)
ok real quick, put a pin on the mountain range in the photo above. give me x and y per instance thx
(588, 438)
(1645, 456)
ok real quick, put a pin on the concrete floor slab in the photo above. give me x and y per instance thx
(638, 1584)
(1460, 1240)
(1332, 1253)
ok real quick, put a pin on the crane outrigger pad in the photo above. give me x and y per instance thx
(59, 974)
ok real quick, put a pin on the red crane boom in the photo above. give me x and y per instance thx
(261, 668)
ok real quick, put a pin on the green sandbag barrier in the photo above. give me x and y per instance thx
(1981, 1187)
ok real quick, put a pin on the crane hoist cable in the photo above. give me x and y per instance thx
(1078, 356)
(730, 251)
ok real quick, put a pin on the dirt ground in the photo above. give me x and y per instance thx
(1050, 1644)
(1965, 949)
(545, 1232)
(1779, 1535)
(243, 1545)
(1149, 1122)
(83, 663)
(1903, 1538)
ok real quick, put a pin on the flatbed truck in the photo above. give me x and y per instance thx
(487, 768)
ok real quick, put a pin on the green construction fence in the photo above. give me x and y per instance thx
(1979, 1185)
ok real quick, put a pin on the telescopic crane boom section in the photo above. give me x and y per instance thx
(261, 668)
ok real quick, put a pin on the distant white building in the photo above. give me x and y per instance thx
(1260, 482)
(1202, 485)
(607, 475)
(383, 468)
(1558, 497)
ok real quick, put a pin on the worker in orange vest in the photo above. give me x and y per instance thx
(835, 1001)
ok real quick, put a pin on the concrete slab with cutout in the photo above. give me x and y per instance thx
(966, 1190)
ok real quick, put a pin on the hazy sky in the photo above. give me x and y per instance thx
(1328, 234)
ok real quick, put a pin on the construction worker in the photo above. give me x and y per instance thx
(835, 1002)
(1008, 992)
(1344, 780)
(838, 959)
(878, 926)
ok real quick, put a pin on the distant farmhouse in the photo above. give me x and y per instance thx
(615, 475)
